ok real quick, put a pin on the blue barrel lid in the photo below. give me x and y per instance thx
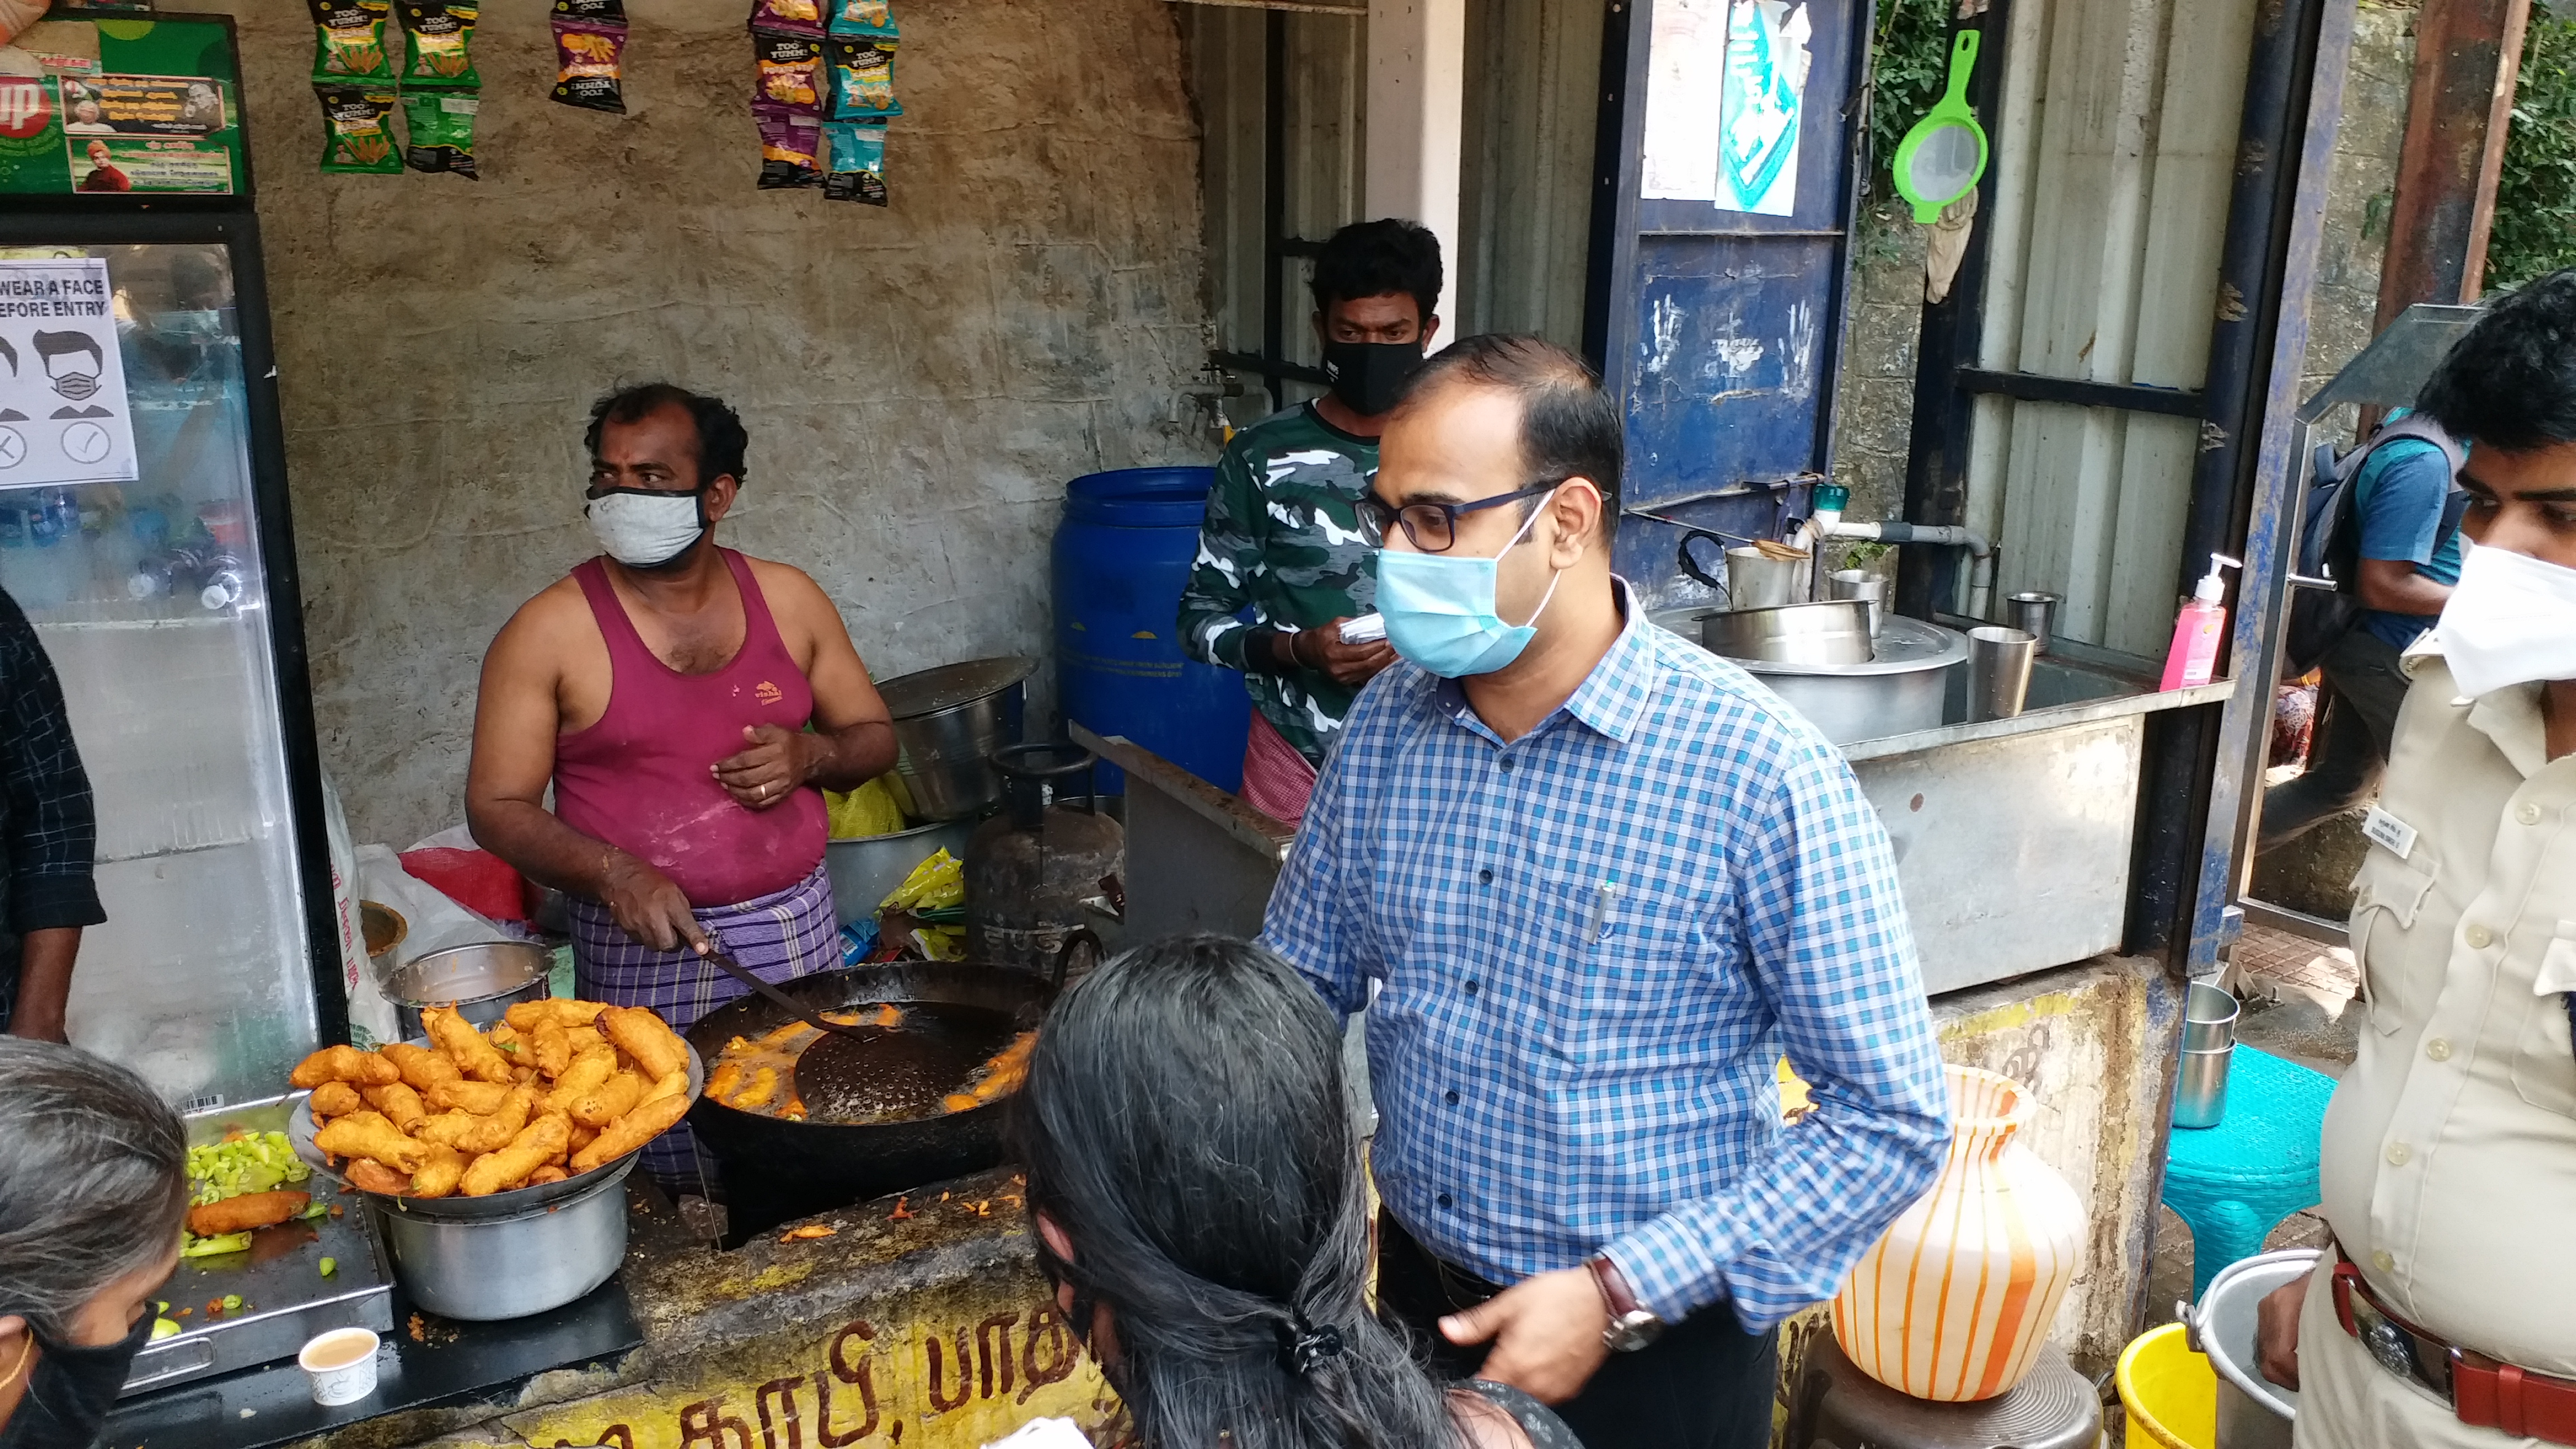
(1140, 497)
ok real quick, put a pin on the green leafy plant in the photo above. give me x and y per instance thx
(2535, 205)
(1909, 63)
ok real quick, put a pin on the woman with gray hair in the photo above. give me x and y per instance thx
(93, 1190)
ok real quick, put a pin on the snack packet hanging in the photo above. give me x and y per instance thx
(791, 144)
(603, 12)
(589, 59)
(788, 17)
(862, 78)
(349, 40)
(791, 71)
(356, 136)
(436, 34)
(862, 17)
(856, 162)
(439, 129)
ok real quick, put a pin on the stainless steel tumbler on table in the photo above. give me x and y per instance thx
(2208, 1048)
(2035, 614)
(1998, 671)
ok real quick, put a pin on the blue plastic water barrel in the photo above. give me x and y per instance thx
(1122, 556)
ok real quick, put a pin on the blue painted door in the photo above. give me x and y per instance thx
(1728, 258)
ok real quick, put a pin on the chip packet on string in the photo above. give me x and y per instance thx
(791, 71)
(439, 130)
(854, 167)
(862, 17)
(349, 40)
(599, 12)
(436, 34)
(357, 134)
(791, 145)
(589, 63)
(788, 17)
(862, 78)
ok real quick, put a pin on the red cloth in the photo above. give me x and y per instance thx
(642, 778)
(1277, 781)
(477, 880)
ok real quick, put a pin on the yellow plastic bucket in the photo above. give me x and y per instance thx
(2170, 1392)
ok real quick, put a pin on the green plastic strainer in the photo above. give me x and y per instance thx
(1945, 154)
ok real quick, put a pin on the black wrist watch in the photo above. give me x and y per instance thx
(1632, 1325)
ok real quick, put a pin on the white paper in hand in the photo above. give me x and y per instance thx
(1366, 629)
(1043, 1434)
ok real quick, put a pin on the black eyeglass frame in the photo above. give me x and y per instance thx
(1375, 514)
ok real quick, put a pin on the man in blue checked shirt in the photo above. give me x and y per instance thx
(1605, 881)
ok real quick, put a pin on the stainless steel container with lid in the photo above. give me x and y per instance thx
(482, 981)
(1903, 688)
(948, 722)
(538, 1257)
(1826, 634)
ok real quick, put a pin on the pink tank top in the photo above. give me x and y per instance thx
(641, 778)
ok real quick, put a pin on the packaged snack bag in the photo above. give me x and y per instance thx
(862, 78)
(440, 130)
(357, 138)
(589, 55)
(856, 162)
(436, 34)
(788, 17)
(791, 71)
(862, 17)
(349, 40)
(791, 144)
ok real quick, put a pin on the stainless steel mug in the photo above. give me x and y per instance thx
(1857, 584)
(1756, 580)
(2208, 1018)
(2200, 1088)
(2035, 614)
(1998, 671)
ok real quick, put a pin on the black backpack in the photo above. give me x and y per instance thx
(2330, 539)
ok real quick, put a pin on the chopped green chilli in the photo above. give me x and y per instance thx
(193, 1246)
(349, 40)
(330, 1266)
(440, 126)
(244, 1163)
(357, 137)
(436, 34)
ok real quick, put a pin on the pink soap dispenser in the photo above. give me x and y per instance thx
(2203, 622)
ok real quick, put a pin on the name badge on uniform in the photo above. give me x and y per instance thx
(2384, 829)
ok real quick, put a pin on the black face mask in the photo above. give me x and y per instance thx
(70, 1392)
(1368, 376)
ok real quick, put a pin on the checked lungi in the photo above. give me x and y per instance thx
(778, 937)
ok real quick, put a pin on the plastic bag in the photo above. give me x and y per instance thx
(862, 78)
(788, 17)
(791, 145)
(349, 40)
(866, 811)
(935, 884)
(436, 37)
(791, 71)
(356, 136)
(589, 60)
(439, 125)
(855, 170)
(862, 17)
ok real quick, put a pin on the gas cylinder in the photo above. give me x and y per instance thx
(1029, 869)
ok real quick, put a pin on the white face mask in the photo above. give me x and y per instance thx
(2511, 620)
(644, 529)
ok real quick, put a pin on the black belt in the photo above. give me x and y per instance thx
(1463, 1289)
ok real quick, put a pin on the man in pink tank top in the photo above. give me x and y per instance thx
(688, 705)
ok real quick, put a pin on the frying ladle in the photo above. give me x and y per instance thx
(724, 961)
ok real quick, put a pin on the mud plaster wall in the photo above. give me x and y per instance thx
(918, 382)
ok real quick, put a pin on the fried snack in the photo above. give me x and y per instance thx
(422, 1068)
(480, 1098)
(583, 1077)
(465, 1046)
(583, 1038)
(529, 1015)
(550, 1047)
(400, 1104)
(440, 1172)
(563, 1155)
(446, 1129)
(368, 1175)
(243, 1213)
(369, 1134)
(344, 1063)
(611, 1100)
(546, 1174)
(502, 1035)
(541, 1142)
(632, 1131)
(764, 1087)
(336, 1099)
(581, 1137)
(727, 1078)
(657, 1050)
(675, 1084)
(501, 1128)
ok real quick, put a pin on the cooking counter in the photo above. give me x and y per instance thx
(919, 1320)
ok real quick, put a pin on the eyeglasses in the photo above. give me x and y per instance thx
(1433, 527)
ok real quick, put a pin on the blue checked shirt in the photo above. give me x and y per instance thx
(1595, 942)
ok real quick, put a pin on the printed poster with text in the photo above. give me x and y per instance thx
(1724, 90)
(62, 380)
(123, 107)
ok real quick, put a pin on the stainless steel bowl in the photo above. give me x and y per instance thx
(1901, 690)
(482, 981)
(866, 871)
(534, 1259)
(947, 724)
(1827, 634)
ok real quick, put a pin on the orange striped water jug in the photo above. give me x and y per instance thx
(1954, 1302)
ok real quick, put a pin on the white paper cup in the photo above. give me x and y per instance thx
(341, 1364)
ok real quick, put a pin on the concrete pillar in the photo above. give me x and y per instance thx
(1417, 62)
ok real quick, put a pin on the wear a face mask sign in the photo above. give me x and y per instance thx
(63, 415)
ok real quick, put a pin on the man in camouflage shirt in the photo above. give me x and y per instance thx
(1282, 541)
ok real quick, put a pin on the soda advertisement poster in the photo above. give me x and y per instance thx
(124, 107)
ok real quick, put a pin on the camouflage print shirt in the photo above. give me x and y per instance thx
(1282, 542)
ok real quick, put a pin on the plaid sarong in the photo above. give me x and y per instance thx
(779, 936)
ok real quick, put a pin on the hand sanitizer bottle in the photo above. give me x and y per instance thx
(2203, 622)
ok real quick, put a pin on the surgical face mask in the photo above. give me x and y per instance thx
(1368, 376)
(643, 528)
(2511, 620)
(1440, 609)
(70, 1392)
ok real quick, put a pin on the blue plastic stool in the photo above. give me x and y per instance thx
(2235, 1182)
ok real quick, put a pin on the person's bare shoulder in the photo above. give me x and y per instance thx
(556, 620)
(793, 596)
(1486, 1423)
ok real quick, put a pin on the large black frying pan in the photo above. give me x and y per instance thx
(775, 1170)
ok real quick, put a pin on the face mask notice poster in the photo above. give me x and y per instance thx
(62, 380)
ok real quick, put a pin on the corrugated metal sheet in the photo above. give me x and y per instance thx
(2113, 157)
(1525, 186)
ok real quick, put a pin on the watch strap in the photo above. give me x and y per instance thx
(1613, 1285)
